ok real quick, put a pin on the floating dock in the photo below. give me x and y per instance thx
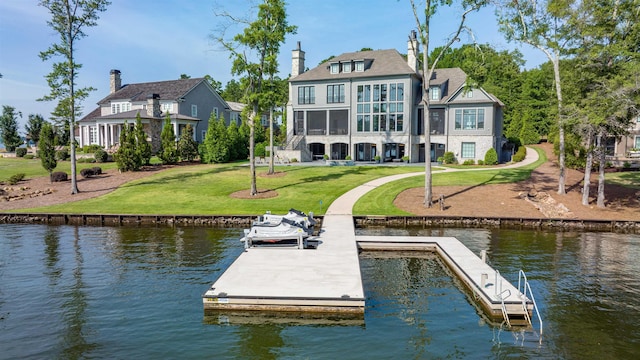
(328, 280)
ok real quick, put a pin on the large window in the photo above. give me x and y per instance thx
(93, 135)
(335, 94)
(380, 107)
(637, 146)
(359, 66)
(468, 150)
(166, 107)
(306, 95)
(469, 119)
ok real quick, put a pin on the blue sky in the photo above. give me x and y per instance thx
(153, 40)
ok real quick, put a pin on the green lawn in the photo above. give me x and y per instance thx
(629, 179)
(205, 189)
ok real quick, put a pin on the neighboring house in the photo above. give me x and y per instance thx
(626, 147)
(186, 101)
(366, 104)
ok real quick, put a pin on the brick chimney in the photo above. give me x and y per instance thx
(297, 61)
(413, 48)
(115, 81)
(153, 105)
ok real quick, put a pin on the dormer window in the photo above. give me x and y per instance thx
(435, 93)
(119, 107)
(335, 68)
(346, 67)
(359, 66)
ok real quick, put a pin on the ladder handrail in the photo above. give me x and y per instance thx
(503, 307)
(526, 287)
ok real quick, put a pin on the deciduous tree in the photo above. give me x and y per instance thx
(543, 25)
(254, 53)
(33, 127)
(424, 34)
(68, 19)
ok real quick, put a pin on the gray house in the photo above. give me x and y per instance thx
(185, 101)
(367, 103)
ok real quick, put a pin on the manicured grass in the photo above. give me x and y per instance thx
(380, 200)
(33, 167)
(206, 189)
(630, 179)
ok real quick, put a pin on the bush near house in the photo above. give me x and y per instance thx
(520, 154)
(491, 157)
(62, 155)
(449, 158)
(21, 152)
(100, 155)
(469, 162)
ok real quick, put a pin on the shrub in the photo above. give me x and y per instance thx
(62, 155)
(294, 160)
(59, 176)
(326, 157)
(87, 173)
(21, 152)
(88, 149)
(16, 178)
(348, 157)
(405, 158)
(520, 154)
(29, 156)
(480, 162)
(101, 156)
(491, 157)
(97, 170)
(260, 150)
(440, 159)
(85, 160)
(469, 162)
(626, 165)
(449, 158)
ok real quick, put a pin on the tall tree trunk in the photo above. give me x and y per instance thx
(587, 171)
(603, 159)
(561, 145)
(271, 152)
(252, 160)
(426, 78)
(72, 118)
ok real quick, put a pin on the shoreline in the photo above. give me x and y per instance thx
(435, 222)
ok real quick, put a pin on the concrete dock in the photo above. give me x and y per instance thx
(328, 280)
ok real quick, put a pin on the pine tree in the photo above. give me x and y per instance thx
(187, 147)
(47, 151)
(168, 152)
(143, 148)
(9, 128)
(127, 158)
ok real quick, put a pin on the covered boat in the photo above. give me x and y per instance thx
(284, 232)
(298, 217)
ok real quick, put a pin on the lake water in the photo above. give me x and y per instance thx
(135, 292)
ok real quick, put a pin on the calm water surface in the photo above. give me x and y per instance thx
(135, 292)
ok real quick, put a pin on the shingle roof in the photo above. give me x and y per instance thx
(456, 79)
(168, 90)
(379, 63)
(236, 106)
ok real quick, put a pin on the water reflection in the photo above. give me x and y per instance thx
(128, 292)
